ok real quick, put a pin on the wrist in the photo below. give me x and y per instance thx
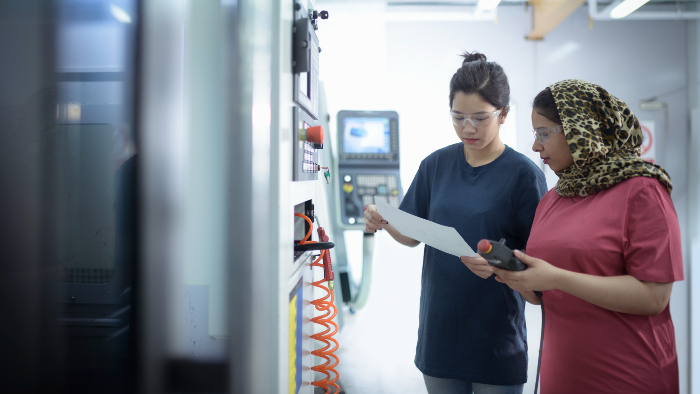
(559, 278)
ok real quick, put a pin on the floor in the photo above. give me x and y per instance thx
(377, 343)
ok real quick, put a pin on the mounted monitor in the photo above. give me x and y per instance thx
(368, 138)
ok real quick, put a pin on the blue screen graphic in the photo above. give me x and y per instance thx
(366, 135)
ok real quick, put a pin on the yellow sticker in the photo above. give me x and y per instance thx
(293, 345)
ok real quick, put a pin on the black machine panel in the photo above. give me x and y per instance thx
(305, 61)
(363, 186)
(368, 166)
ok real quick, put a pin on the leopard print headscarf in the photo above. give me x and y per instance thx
(604, 137)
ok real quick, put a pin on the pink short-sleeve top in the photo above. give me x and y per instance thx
(628, 229)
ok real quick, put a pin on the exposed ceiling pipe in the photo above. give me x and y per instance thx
(476, 14)
(604, 15)
(417, 13)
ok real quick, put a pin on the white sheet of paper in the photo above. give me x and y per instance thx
(440, 237)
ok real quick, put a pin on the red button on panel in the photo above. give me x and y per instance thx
(314, 134)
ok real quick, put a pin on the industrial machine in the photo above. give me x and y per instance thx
(167, 198)
(312, 308)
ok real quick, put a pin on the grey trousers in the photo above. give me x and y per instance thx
(453, 386)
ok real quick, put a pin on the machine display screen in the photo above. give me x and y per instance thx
(366, 135)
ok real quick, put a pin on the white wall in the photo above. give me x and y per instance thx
(370, 64)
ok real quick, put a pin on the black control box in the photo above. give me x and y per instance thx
(499, 255)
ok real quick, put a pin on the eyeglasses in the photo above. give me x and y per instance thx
(476, 120)
(543, 134)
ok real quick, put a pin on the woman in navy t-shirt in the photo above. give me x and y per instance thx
(471, 335)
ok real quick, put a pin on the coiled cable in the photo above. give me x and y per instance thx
(326, 306)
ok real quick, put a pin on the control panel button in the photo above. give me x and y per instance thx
(312, 134)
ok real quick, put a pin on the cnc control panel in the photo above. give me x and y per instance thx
(368, 166)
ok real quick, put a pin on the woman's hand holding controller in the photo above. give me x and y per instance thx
(478, 265)
(540, 275)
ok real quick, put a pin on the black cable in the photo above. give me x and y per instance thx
(539, 360)
(313, 246)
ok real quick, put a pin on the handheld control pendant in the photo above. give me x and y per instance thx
(499, 255)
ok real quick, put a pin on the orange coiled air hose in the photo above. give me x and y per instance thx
(326, 337)
(324, 304)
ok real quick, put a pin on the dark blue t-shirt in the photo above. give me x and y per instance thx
(473, 329)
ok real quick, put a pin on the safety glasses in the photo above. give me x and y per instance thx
(543, 134)
(476, 120)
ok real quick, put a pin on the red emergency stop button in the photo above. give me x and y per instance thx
(312, 134)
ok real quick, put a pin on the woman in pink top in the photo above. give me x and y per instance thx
(605, 249)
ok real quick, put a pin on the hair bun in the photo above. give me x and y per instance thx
(473, 57)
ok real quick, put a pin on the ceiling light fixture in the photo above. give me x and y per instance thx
(489, 4)
(626, 7)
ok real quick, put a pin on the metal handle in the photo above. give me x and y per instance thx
(366, 279)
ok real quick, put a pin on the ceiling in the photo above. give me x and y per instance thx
(546, 14)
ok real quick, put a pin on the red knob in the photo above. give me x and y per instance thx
(315, 134)
(484, 246)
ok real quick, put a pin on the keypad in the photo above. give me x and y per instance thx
(370, 188)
